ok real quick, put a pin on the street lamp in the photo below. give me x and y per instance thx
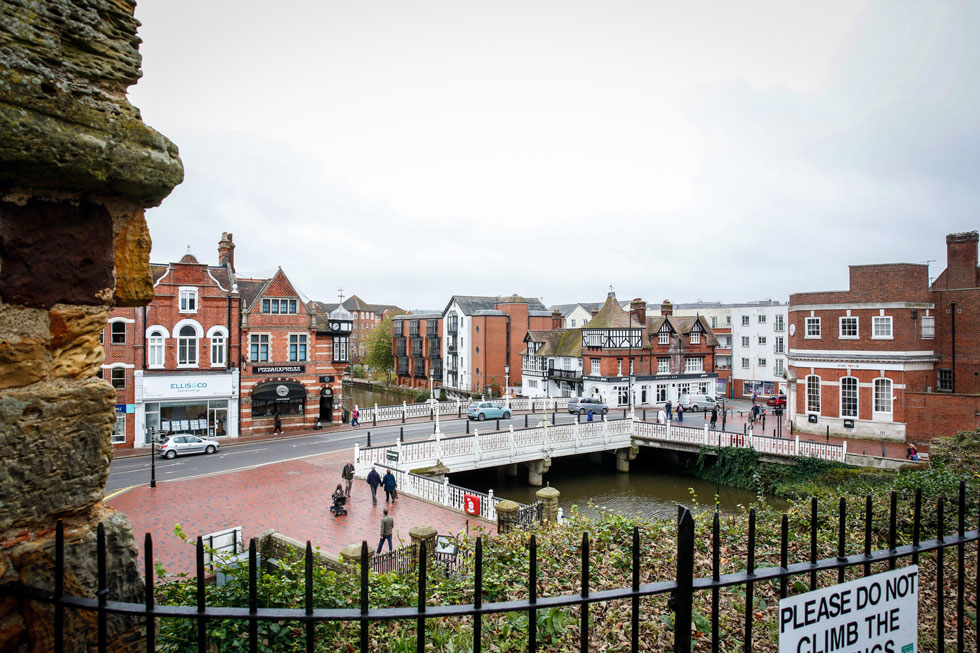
(435, 405)
(153, 457)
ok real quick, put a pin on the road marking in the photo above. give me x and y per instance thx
(118, 492)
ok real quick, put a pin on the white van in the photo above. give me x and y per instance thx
(698, 402)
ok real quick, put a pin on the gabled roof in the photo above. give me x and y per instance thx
(611, 316)
(682, 325)
(471, 304)
(557, 342)
(189, 258)
(355, 303)
(251, 289)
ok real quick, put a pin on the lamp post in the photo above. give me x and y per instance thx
(435, 405)
(153, 457)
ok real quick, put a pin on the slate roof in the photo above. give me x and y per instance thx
(681, 325)
(473, 303)
(610, 316)
(251, 289)
(189, 258)
(355, 303)
(158, 271)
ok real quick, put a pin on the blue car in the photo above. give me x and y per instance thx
(482, 410)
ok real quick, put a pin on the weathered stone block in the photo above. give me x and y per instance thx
(55, 252)
(75, 348)
(56, 434)
(134, 283)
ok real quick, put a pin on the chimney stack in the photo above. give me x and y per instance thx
(666, 309)
(226, 251)
(638, 308)
(961, 260)
(556, 319)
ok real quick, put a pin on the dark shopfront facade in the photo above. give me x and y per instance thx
(286, 391)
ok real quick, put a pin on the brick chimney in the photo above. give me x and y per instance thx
(961, 260)
(638, 308)
(666, 309)
(226, 250)
(556, 319)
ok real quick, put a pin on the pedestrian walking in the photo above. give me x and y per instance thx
(680, 412)
(373, 481)
(714, 416)
(387, 528)
(348, 475)
(754, 397)
(354, 416)
(277, 424)
(661, 416)
(390, 484)
(669, 407)
(590, 415)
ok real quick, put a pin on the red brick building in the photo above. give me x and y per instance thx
(666, 356)
(891, 357)
(366, 317)
(174, 363)
(295, 357)
(417, 347)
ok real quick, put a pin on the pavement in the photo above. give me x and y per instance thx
(292, 498)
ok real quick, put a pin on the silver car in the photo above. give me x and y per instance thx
(184, 443)
(581, 406)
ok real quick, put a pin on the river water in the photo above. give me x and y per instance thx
(366, 398)
(650, 489)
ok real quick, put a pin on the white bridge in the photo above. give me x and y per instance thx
(538, 445)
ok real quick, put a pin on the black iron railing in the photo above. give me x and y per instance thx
(400, 560)
(524, 518)
(569, 375)
(681, 589)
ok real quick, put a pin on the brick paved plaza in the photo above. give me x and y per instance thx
(292, 498)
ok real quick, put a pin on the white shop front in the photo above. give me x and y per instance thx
(200, 404)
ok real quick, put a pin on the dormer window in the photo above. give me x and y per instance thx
(279, 306)
(188, 300)
(663, 338)
(695, 337)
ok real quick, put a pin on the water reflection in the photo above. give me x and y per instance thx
(651, 489)
(366, 398)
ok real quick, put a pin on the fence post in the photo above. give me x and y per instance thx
(683, 597)
(459, 408)
(476, 445)
(510, 436)
(491, 508)
(578, 434)
(356, 452)
(374, 416)
(445, 491)
(706, 443)
(843, 453)
(796, 448)
(668, 430)
(605, 430)
(404, 411)
(398, 447)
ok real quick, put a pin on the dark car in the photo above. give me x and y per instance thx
(779, 401)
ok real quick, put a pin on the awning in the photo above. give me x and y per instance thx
(279, 391)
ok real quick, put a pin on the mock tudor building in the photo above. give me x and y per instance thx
(551, 363)
(417, 348)
(174, 363)
(659, 358)
(891, 357)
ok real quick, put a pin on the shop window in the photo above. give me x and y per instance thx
(154, 349)
(118, 376)
(187, 346)
(188, 300)
(258, 347)
(118, 333)
(297, 347)
(119, 429)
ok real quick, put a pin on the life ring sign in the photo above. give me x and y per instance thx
(471, 504)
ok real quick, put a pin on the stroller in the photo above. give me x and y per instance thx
(339, 501)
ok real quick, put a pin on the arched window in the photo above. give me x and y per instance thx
(883, 396)
(187, 346)
(154, 348)
(849, 397)
(813, 394)
(219, 338)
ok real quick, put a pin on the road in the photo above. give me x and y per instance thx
(135, 470)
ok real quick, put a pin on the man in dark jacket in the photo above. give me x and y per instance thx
(387, 528)
(348, 475)
(390, 485)
(373, 481)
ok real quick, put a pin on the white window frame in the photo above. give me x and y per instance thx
(762, 340)
(694, 364)
(714, 321)
(619, 367)
(840, 327)
(746, 320)
(112, 332)
(780, 324)
(813, 394)
(882, 398)
(763, 362)
(218, 335)
(695, 338)
(119, 434)
(746, 363)
(198, 335)
(187, 295)
(779, 346)
(780, 367)
(845, 381)
(811, 321)
(663, 365)
(762, 318)
(302, 340)
(746, 341)
(876, 321)
(595, 367)
(156, 347)
(928, 332)
(663, 338)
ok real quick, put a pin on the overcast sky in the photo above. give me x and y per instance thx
(410, 151)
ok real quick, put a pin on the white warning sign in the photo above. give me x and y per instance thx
(876, 614)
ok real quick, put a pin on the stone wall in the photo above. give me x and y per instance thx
(77, 169)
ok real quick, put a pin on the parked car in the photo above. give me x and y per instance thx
(581, 406)
(779, 401)
(481, 410)
(698, 402)
(184, 443)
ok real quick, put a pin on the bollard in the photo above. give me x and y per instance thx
(828, 433)
(644, 414)
(369, 438)
(578, 418)
(431, 414)
(467, 426)
(459, 410)
(745, 428)
(401, 433)
(374, 416)
(498, 423)
(763, 422)
(525, 420)
(554, 418)
(624, 413)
